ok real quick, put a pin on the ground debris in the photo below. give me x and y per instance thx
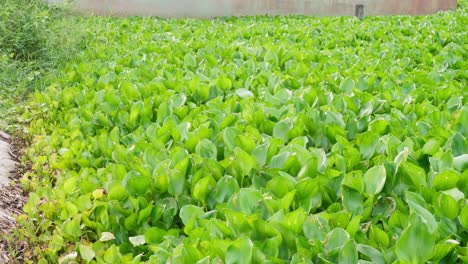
(12, 200)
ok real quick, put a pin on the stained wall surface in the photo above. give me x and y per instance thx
(214, 8)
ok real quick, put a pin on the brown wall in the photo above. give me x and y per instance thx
(213, 8)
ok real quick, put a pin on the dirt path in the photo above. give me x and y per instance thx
(12, 197)
(7, 163)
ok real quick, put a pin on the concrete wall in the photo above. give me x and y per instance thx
(213, 8)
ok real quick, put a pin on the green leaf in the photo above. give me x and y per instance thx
(308, 194)
(378, 236)
(271, 56)
(379, 126)
(367, 142)
(72, 228)
(352, 200)
(416, 244)
(445, 205)
(245, 143)
(136, 184)
(116, 192)
(443, 249)
(349, 253)
(375, 256)
(279, 160)
(224, 83)
(281, 129)
(445, 180)
(202, 188)
(112, 255)
(225, 188)
(280, 186)
(315, 227)
(176, 182)
(178, 100)
(129, 91)
(354, 180)
(415, 203)
(261, 154)
(190, 61)
(206, 149)
(189, 212)
(347, 85)
(243, 162)
(295, 220)
(249, 199)
(400, 158)
(374, 179)
(240, 251)
(415, 174)
(459, 144)
(454, 103)
(120, 154)
(86, 252)
(271, 246)
(460, 163)
(205, 260)
(335, 240)
(154, 235)
(310, 169)
(145, 213)
(229, 135)
(431, 146)
(464, 217)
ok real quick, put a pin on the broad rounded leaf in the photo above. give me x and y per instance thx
(335, 240)
(315, 227)
(240, 251)
(445, 180)
(86, 252)
(349, 253)
(445, 205)
(136, 184)
(188, 212)
(352, 200)
(374, 179)
(281, 129)
(206, 149)
(415, 244)
(416, 204)
(347, 85)
(249, 199)
(154, 235)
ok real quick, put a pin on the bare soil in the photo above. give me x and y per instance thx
(12, 198)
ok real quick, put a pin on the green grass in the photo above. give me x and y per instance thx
(35, 40)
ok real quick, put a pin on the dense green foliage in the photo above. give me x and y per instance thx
(35, 39)
(256, 140)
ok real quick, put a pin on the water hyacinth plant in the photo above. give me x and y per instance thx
(256, 140)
